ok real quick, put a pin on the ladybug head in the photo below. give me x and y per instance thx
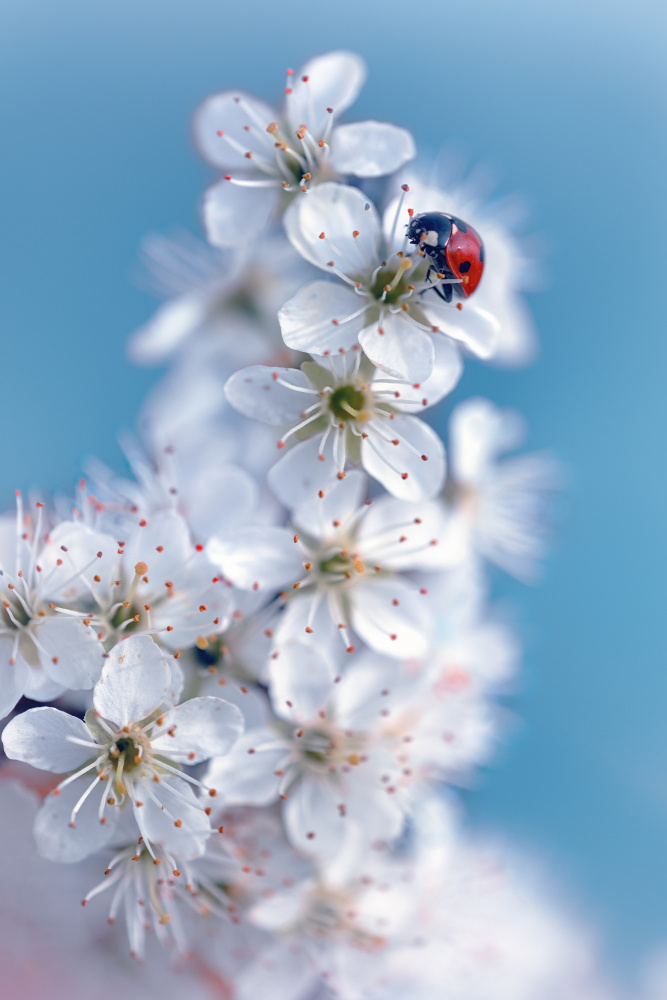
(433, 229)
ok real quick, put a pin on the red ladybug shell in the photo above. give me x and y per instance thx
(465, 256)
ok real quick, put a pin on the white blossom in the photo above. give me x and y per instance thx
(357, 415)
(272, 155)
(381, 299)
(132, 748)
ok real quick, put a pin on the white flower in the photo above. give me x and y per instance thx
(349, 414)
(43, 652)
(323, 755)
(379, 299)
(227, 299)
(498, 509)
(152, 580)
(343, 568)
(131, 750)
(271, 155)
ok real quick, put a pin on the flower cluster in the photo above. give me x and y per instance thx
(273, 649)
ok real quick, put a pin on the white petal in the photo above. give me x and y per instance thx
(256, 392)
(307, 320)
(334, 81)
(447, 370)
(399, 347)
(313, 820)
(40, 737)
(14, 676)
(231, 211)
(300, 474)
(163, 543)
(376, 618)
(337, 211)
(419, 456)
(301, 680)
(324, 517)
(201, 728)
(134, 681)
(371, 149)
(74, 654)
(188, 840)
(399, 534)
(476, 328)
(223, 497)
(166, 330)
(245, 778)
(229, 112)
(257, 558)
(57, 840)
(479, 432)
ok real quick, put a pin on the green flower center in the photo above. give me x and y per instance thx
(347, 402)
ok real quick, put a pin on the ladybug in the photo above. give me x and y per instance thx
(455, 249)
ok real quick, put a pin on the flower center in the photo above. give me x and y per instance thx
(341, 564)
(347, 402)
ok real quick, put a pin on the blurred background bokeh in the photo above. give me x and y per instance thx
(565, 100)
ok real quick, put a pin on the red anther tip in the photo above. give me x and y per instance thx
(199, 548)
(393, 636)
(424, 458)
(290, 72)
(404, 475)
(288, 90)
(305, 79)
(18, 493)
(281, 444)
(411, 212)
(322, 236)
(330, 110)
(221, 133)
(228, 177)
(350, 649)
(405, 187)
(459, 306)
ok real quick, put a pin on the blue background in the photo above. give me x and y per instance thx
(567, 99)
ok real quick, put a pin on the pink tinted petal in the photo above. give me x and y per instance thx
(337, 211)
(322, 318)
(134, 683)
(260, 392)
(371, 149)
(40, 737)
(399, 347)
(229, 209)
(413, 469)
(201, 728)
(229, 113)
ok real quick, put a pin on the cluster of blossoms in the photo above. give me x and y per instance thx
(273, 650)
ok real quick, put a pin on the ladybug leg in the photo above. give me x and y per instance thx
(427, 279)
(444, 291)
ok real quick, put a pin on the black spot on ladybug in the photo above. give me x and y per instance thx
(464, 267)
